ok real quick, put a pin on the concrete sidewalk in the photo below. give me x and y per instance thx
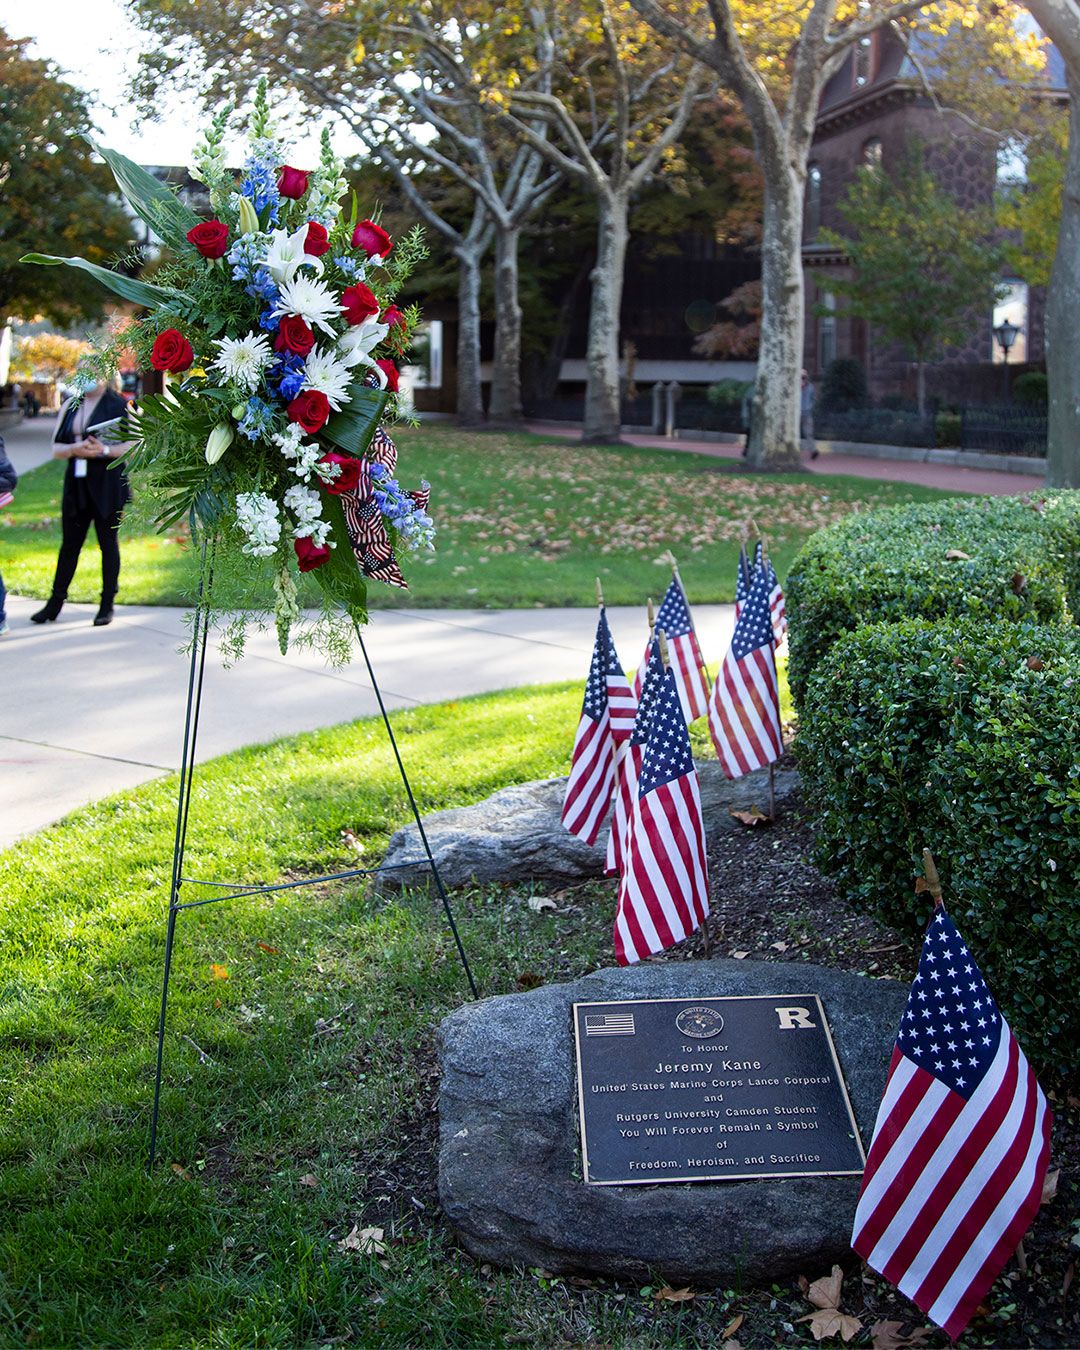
(87, 711)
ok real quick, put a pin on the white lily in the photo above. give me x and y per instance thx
(356, 343)
(286, 255)
(218, 442)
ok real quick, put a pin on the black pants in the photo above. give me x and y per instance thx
(76, 522)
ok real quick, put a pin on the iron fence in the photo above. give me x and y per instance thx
(1004, 431)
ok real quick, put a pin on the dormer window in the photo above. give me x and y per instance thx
(862, 63)
(813, 202)
(872, 153)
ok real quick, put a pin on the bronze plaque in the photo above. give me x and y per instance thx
(711, 1089)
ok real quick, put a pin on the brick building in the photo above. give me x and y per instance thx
(875, 111)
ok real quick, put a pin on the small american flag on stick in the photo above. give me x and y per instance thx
(664, 889)
(777, 606)
(628, 761)
(743, 578)
(674, 618)
(607, 719)
(744, 712)
(955, 1172)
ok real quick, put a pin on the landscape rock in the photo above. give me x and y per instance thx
(516, 834)
(510, 1159)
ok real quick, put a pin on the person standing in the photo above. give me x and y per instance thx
(806, 415)
(95, 493)
(8, 480)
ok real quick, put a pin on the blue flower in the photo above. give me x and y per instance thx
(258, 419)
(288, 371)
(345, 265)
(269, 320)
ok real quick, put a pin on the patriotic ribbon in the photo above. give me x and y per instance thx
(368, 535)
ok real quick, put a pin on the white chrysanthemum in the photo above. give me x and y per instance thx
(286, 254)
(311, 299)
(324, 372)
(356, 343)
(243, 360)
(257, 516)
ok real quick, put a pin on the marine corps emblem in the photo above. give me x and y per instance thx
(701, 1022)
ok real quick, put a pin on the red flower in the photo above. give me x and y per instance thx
(309, 554)
(210, 237)
(372, 238)
(292, 182)
(172, 352)
(393, 316)
(352, 473)
(309, 410)
(359, 302)
(391, 372)
(316, 241)
(294, 335)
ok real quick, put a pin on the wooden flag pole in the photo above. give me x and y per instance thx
(652, 616)
(599, 593)
(664, 656)
(933, 881)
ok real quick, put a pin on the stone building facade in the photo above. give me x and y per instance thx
(875, 111)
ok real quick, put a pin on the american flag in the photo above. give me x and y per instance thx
(777, 607)
(744, 712)
(956, 1166)
(673, 618)
(609, 1024)
(664, 890)
(743, 578)
(607, 719)
(628, 758)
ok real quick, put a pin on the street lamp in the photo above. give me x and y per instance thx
(1005, 334)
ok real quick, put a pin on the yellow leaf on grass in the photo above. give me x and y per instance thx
(366, 1241)
(310, 1179)
(670, 1295)
(219, 972)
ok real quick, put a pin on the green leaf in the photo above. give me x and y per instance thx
(151, 200)
(353, 429)
(340, 576)
(140, 292)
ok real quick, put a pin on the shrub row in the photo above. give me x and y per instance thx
(984, 557)
(960, 736)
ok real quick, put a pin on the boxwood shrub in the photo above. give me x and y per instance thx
(1023, 562)
(962, 737)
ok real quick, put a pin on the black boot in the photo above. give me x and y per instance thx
(51, 610)
(105, 613)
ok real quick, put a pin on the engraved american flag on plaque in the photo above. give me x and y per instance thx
(609, 1024)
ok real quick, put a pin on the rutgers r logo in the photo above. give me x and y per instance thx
(794, 1019)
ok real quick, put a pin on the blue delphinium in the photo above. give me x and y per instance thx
(413, 524)
(260, 178)
(288, 373)
(270, 321)
(258, 420)
(347, 266)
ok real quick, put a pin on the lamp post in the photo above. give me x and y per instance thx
(1006, 333)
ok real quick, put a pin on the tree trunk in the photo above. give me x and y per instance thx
(505, 407)
(603, 420)
(1062, 332)
(470, 402)
(774, 426)
(920, 385)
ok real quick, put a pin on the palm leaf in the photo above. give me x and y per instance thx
(340, 576)
(352, 429)
(151, 200)
(140, 292)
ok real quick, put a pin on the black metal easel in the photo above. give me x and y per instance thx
(234, 889)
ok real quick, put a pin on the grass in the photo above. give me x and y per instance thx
(522, 521)
(314, 1011)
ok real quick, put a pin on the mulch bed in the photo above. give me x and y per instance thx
(769, 902)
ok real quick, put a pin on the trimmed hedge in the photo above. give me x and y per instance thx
(963, 738)
(1023, 562)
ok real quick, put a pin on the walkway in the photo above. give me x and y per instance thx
(951, 477)
(88, 711)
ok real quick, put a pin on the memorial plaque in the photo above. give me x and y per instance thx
(711, 1089)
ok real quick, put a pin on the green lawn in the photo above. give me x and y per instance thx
(522, 521)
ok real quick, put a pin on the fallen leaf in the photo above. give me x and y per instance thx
(828, 1322)
(825, 1293)
(752, 817)
(366, 1241)
(538, 903)
(309, 1179)
(890, 1336)
(1050, 1185)
(529, 979)
(733, 1326)
(779, 946)
(1034, 663)
(669, 1295)
(219, 972)
(180, 1172)
(958, 663)
(732, 1345)
(953, 554)
(270, 951)
(739, 956)
(1018, 583)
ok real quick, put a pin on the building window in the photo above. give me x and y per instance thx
(872, 153)
(1012, 307)
(826, 353)
(862, 63)
(426, 355)
(813, 201)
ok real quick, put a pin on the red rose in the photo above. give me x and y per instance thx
(352, 471)
(372, 238)
(294, 335)
(210, 237)
(310, 410)
(393, 316)
(172, 352)
(391, 372)
(292, 182)
(309, 554)
(359, 302)
(316, 241)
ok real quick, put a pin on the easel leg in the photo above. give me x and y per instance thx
(419, 821)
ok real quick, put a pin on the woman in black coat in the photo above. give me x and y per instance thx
(95, 493)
